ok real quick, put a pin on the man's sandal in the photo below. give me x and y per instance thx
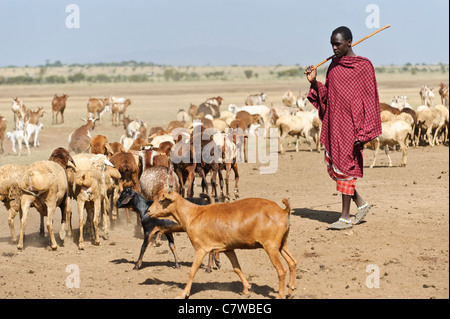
(361, 213)
(341, 224)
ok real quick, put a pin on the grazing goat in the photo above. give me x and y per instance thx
(130, 199)
(58, 107)
(80, 139)
(255, 99)
(244, 224)
(394, 132)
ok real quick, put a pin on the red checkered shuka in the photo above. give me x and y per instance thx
(344, 184)
(348, 105)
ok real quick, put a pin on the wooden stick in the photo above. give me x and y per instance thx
(353, 44)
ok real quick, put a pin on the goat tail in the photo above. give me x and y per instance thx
(287, 210)
(285, 201)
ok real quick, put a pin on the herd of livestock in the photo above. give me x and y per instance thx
(152, 171)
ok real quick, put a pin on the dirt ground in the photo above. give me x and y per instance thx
(404, 241)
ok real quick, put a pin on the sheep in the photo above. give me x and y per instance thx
(244, 224)
(255, 99)
(89, 186)
(10, 192)
(3, 125)
(58, 107)
(130, 199)
(301, 124)
(429, 119)
(444, 113)
(394, 132)
(80, 139)
(44, 185)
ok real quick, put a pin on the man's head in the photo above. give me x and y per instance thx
(341, 41)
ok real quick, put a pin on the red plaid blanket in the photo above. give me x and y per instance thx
(349, 108)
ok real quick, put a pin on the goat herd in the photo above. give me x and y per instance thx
(153, 173)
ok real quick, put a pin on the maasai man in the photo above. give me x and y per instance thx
(349, 108)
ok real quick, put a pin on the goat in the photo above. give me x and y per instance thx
(255, 99)
(99, 145)
(18, 136)
(443, 92)
(426, 95)
(33, 130)
(3, 123)
(394, 132)
(32, 117)
(96, 107)
(19, 111)
(130, 199)
(211, 106)
(118, 110)
(244, 224)
(79, 140)
(58, 107)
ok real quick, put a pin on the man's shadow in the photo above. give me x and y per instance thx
(324, 216)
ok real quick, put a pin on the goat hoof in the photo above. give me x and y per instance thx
(81, 246)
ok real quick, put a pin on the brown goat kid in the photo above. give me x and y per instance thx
(58, 107)
(244, 224)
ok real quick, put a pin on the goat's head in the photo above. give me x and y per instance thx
(125, 198)
(164, 205)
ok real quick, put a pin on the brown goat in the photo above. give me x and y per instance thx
(96, 107)
(99, 145)
(58, 107)
(80, 139)
(2, 133)
(244, 224)
(33, 116)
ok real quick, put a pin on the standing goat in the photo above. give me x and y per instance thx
(244, 224)
(79, 140)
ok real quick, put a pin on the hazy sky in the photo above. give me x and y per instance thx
(219, 32)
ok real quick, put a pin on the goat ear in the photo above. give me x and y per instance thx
(168, 196)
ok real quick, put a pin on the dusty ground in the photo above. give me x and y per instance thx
(405, 237)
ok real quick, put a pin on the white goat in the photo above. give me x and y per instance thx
(18, 136)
